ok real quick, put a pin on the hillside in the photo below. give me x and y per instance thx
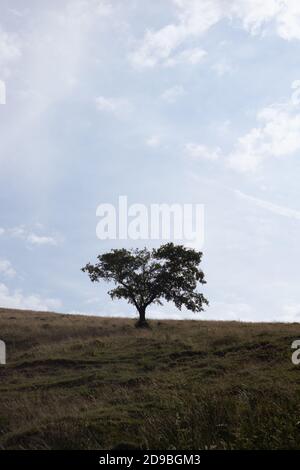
(74, 382)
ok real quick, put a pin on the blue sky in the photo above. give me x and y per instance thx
(177, 101)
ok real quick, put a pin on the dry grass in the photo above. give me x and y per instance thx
(75, 382)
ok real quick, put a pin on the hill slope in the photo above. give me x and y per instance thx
(74, 382)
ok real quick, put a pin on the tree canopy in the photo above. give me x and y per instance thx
(142, 277)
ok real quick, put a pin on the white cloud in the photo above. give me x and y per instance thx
(277, 135)
(103, 8)
(157, 47)
(106, 104)
(201, 152)
(193, 56)
(17, 299)
(255, 14)
(18, 232)
(6, 268)
(2, 231)
(172, 94)
(38, 240)
(288, 19)
(31, 237)
(15, 12)
(222, 67)
(153, 141)
(194, 18)
(161, 47)
(9, 49)
(117, 106)
(276, 209)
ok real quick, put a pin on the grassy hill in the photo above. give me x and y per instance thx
(74, 382)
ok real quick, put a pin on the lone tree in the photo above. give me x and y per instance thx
(143, 277)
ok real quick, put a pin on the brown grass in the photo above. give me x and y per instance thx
(75, 382)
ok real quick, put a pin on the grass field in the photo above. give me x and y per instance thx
(74, 382)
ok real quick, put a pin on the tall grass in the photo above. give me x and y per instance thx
(75, 382)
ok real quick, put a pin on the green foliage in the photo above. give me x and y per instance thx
(143, 277)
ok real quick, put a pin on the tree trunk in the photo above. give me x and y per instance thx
(141, 323)
(142, 313)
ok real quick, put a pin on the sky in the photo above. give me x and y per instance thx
(171, 101)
